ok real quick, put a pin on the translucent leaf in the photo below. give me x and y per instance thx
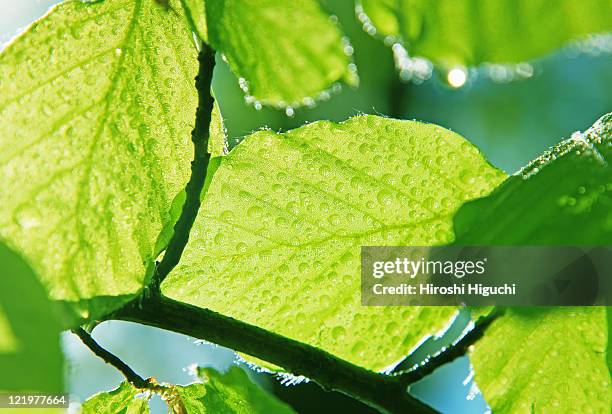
(96, 108)
(195, 11)
(609, 349)
(123, 400)
(565, 196)
(277, 242)
(30, 354)
(463, 32)
(553, 359)
(545, 360)
(283, 51)
(217, 143)
(230, 392)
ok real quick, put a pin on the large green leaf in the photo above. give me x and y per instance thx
(30, 353)
(123, 400)
(285, 52)
(277, 241)
(545, 361)
(564, 196)
(554, 359)
(229, 392)
(465, 32)
(96, 107)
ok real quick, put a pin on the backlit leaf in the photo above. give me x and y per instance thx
(549, 359)
(278, 238)
(195, 12)
(464, 32)
(123, 400)
(545, 360)
(229, 392)
(285, 52)
(217, 143)
(96, 108)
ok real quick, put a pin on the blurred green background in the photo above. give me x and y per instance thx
(511, 121)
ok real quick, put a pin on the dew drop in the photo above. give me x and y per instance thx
(254, 212)
(28, 217)
(219, 238)
(358, 348)
(226, 215)
(338, 332)
(391, 328)
(334, 219)
(384, 197)
(241, 248)
(244, 85)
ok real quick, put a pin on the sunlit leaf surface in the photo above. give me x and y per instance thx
(548, 359)
(278, 238)
(284, 52)
(123, 400)
(229, 392)
(464, 32)
(96, 107)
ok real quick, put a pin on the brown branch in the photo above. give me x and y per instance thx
(383, 392)
(129, 374)
(199, 166)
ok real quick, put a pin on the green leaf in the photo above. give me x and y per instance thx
(277, 241)
(229, 392)
(195, 12)
(123, 400)
(563, 197)
(545, 360)
(217, 143)
(285, 52)
(463, 32)
(553, 359)
(609, 350)
(96, 108)
(30, 354)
